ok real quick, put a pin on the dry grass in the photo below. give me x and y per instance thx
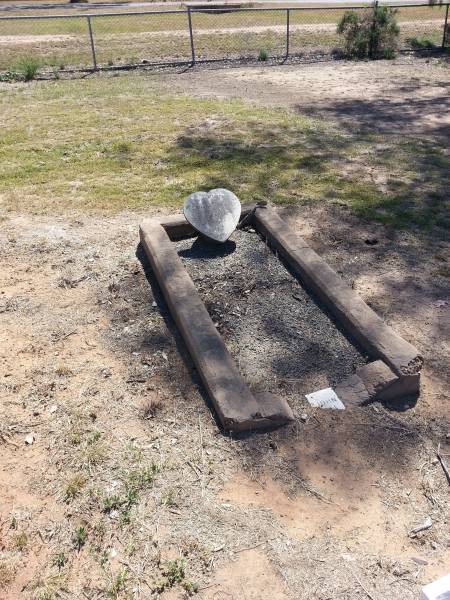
(112, 143)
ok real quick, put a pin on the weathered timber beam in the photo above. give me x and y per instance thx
(237, 408)
(359, 320)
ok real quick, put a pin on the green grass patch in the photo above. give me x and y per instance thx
(112, 143)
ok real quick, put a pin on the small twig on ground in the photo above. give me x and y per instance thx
(203, 455)
(427, 524)
(206, 587)
(312, 491)
(195, 469)
(359, 582)
(443, 463)
(251, 547)
(64, 337)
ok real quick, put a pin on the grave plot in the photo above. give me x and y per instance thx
(295, 342)
(276, 333)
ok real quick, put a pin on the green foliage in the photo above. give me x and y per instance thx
(8, 77)
(59, 560)
(79, 537)
(27, 68)
(174, 573)
(263, 54)
(421, 43)
(118, 584)
(111, 503)
(371, 33)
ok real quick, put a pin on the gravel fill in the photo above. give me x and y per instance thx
(280, 338)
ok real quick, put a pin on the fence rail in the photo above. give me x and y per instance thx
(198, 34)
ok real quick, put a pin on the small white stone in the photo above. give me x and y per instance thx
(29, 439)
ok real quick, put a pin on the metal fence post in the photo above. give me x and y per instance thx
(444, 35)
(191, 35)
(91, 38)
(288, 18)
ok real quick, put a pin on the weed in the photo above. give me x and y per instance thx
(59, 560)
(173, 573)
(125, 518)
(118, 584)
(63, 371)
(421, 43)
(149, 408)
(121, 149)
(131, 549)
(141, 477)
(103, 559)
(27, 68)
(131, 498)
(8, 77)
(263, 55)
(48, 588)
(94, 452)
(75, 438)
(190, 587)
(20, 541)
(111, 503)
(169, 498)
(79, 537)
(13, 524)
(74, 486)
(94, 436)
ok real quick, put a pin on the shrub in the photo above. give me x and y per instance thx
(421, 43)
(27, 68)
(372, 33)
(263, 54)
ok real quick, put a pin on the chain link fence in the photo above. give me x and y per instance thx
(199, 34)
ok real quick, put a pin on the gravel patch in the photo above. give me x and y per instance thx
(280, 338)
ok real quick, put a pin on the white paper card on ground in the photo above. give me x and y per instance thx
(438, 590)
(326, 398)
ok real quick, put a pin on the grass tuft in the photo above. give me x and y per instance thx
(26, 68)
(74, 486)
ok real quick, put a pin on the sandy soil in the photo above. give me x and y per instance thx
(404, 96)
(93, 368)
(327, 502)
(12, 40)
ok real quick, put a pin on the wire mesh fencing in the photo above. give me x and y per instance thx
(198, 34)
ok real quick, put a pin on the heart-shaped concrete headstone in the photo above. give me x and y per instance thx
(214, 214)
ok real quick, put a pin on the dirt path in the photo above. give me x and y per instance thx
(404, 96)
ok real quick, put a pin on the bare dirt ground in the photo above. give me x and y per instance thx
(408, 95)
(125, 446)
